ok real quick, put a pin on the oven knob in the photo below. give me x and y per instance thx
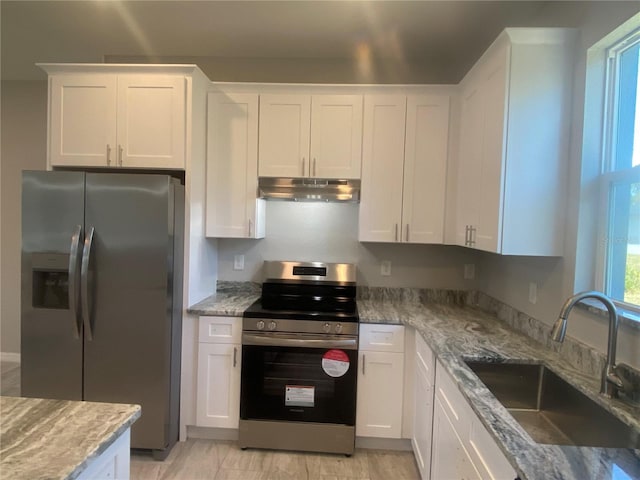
(260, 325)
(339, 328)
(326, 328)
(272, 325)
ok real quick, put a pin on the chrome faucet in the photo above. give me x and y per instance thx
(611, 382)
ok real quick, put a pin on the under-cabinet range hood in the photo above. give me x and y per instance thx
(309, 189)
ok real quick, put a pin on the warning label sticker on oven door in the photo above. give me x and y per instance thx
(335, 363)
(299, 396)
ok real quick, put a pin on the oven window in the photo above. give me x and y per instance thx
(287, 383)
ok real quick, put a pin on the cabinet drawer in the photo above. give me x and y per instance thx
(220, 330)
(382, 337)
(453, 403)
(425, 359)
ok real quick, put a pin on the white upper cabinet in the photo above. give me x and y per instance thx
(106, 120)
(232, 209)
(336, 136)
(513, 147)
(83, 128)
(310, 136)
(284, 135)
(151, 121)
(405, 151)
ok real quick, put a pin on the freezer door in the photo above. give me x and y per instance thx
(127, 272)
(51, 345)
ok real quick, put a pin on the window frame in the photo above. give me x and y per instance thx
(609, 178)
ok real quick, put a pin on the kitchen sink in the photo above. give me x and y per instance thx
(550, 409)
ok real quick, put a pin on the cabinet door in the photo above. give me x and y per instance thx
(336, 136)
(283, 145)
(232, 166)
(218, 385)
(449, 458)
(469, 163)
(379, 401)
(425, 169)
(151, 121)
(382, 165)
(422, 420)
(82, 129)
(493, 92)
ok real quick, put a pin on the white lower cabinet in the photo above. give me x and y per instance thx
(462, 447)
(450, 458)
(423, 406)
(380, 381)
(218, 383)
(112, 464)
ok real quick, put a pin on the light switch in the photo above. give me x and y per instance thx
(238, 262)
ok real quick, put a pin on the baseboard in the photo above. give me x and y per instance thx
(374, 443)
(210, 433)
(10, 357)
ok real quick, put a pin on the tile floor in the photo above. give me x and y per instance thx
(217, 460)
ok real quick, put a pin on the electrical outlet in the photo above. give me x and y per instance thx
(385, 268)
(469, 271)
(238, 262)
(533, 292)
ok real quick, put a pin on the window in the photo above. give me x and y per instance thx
(620, 187)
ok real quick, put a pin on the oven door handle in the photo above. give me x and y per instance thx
(279, 340)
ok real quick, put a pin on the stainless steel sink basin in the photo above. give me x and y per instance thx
(550, 409)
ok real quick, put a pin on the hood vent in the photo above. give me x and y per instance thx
(309, 189)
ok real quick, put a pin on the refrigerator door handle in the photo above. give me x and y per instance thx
(74, 259)
(84, 285)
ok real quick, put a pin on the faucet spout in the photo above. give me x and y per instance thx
(611, 382)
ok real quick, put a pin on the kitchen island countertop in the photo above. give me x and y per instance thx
(57, 439)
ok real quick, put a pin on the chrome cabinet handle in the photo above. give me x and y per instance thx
(314, 167)
(84, 284)
(407, 236)
(73, 279)
(303, 165)
(472, 235)
(249, 228)
(396, 235)
(466, 235)
(363, 362)
(108, 154)
(235, 353)
(120, 149)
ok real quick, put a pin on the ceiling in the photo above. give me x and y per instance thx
(437, 33)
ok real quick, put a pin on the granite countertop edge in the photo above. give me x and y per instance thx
(459, 333)
(20, 430)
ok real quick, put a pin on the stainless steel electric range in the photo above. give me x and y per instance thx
(299, 359)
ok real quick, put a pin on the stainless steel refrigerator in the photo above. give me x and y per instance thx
(102, 294)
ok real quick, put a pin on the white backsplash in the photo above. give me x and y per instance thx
(329, 232)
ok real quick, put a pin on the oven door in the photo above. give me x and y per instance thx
(299, 377)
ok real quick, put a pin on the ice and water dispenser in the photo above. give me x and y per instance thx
(50, 280)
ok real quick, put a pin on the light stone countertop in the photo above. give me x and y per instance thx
(230, 300)
(457, 333)
(57, 439)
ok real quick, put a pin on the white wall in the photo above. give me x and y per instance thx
(508, 278)
(329, 232)
(24, 147)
